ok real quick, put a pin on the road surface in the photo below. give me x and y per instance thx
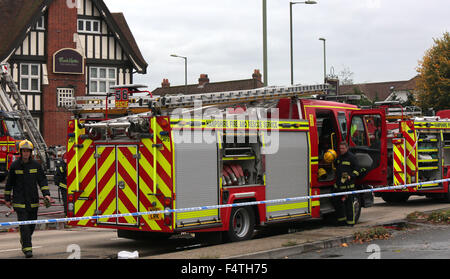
(93, 243)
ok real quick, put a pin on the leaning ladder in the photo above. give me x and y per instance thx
(20, 108)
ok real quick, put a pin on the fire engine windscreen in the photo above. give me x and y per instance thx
(365, 136)
(13, 129)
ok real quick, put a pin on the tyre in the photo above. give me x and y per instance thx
(446, 196)
(142, 235)
(242, 224)
(395, 197)
(357, 206)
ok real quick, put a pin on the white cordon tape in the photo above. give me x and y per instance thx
(75, 219)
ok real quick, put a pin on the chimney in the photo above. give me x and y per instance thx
(257, 75)
(165, 83)
(203, 79)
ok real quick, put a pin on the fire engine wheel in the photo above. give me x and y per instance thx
(357, 206)
(242, 224)
(142, 235)
(395, 197)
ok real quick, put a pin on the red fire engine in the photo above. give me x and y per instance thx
(418, 151)
(10, 134)
(197, 156)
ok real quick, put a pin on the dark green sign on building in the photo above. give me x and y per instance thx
(68, 61)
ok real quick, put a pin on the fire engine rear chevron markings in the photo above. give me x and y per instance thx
(122, 178)
(410, 144)
(169, 211)
(399, 156)
(127, 176)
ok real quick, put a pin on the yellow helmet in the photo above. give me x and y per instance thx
(322, 172)
(330, 156)
(26, 144)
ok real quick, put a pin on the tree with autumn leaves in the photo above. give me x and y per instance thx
(433, 84)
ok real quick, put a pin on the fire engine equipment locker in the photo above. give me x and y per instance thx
(287, 174)
(196, 180)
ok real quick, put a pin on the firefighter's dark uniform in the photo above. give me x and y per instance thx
(22, 184)
(346, 165)
(61, 182)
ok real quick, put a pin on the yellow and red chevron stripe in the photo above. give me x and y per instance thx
(122, 178)
(81, 176)
(399, 162)
(106, 182)
(410, 135)
(156, 173)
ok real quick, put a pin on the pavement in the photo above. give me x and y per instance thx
(54, 211)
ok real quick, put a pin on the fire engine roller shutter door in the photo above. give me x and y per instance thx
(196, 180)
(287, 175)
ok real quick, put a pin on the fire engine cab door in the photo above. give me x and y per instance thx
(116, 183)
(366, 136)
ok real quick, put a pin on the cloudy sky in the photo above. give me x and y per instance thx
(377, 40)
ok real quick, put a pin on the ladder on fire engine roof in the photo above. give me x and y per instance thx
(21, 109)
(394, 110)
(92, 105)
(202, 101)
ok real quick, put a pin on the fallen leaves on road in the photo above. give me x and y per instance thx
(371, 234)
(441, 217)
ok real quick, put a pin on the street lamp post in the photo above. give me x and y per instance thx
(185, 70)
(291, 33)
(324, 59)
(265, 73)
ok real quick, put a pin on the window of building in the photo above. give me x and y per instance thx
(65, 96)
(89, 26)
(30, 77)
(101, 79)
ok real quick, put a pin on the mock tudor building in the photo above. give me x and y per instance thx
(59, 49)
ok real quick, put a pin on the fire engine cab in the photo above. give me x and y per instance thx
(10, 134)
(181, 155)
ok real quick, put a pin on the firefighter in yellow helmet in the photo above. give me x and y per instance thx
(347, 171)
(330, 156)
(21, 192)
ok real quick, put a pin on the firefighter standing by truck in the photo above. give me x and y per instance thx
(24, 175)
(347, 171)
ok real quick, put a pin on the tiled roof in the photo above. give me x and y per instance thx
(121, 22)
(16, 17)
(378, 91)
(208, 87)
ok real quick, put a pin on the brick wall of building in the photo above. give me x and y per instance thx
(61, 27)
